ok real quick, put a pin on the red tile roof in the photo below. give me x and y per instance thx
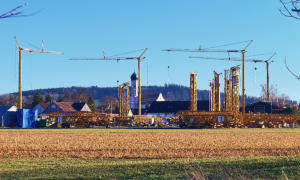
(45, 105)
(65, 106)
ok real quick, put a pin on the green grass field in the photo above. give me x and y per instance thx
(142, 168)
(237, 168)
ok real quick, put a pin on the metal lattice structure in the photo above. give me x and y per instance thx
(212, 94)
(21, 49)
(138, 58)
(193, 88)
(124, 101)
(235, 86)
(227, 92)
(215, 93)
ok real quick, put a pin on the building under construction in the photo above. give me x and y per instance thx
(229, 114)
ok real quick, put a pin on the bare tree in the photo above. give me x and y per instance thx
(281, 99)
(273, 93)
(16, 12)
(290, 8)
(295, 75)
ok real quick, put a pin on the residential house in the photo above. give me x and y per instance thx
(67, 107)
(170, 108)
(8, 116)
(40, 108)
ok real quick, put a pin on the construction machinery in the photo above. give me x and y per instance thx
(138, 58)
(267, 62)
(210, 50)
(80, 119)
(20, 49)
(257, 120)
(216, 117)
(148, 120)
(230, 116)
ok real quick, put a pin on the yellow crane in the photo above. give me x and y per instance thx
(138, 58)
(209, 50)
(20, 49)
(267, 62)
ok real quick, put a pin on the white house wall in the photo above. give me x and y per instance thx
(86, 108)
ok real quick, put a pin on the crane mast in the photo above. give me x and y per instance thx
(138, 58)
(267, 62)
(20, 49)
(207, 50)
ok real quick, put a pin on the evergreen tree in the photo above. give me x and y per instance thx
(37, 99)
(60, 99)
(48, 98)
(92, 104)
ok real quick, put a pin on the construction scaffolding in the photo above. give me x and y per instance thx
(124, 102)
(212, 96)
(231, 115)
(231, 90)
(193, 89)
(215, 93)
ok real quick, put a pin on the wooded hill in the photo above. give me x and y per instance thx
(170, 92)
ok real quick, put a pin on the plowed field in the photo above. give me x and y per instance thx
(155, 144)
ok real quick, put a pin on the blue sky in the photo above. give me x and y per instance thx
(86, 28)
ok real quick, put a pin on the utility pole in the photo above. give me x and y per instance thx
(139, 58)
(20, 48)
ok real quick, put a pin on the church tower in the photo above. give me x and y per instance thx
(134, 96)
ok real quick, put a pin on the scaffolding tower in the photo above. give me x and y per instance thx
(215, 93)
(124, 102)
(193, 87)
(231, 90)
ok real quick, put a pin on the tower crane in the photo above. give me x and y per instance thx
(138, 58)
(20, 49)
(208, 50)
(267, 62)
